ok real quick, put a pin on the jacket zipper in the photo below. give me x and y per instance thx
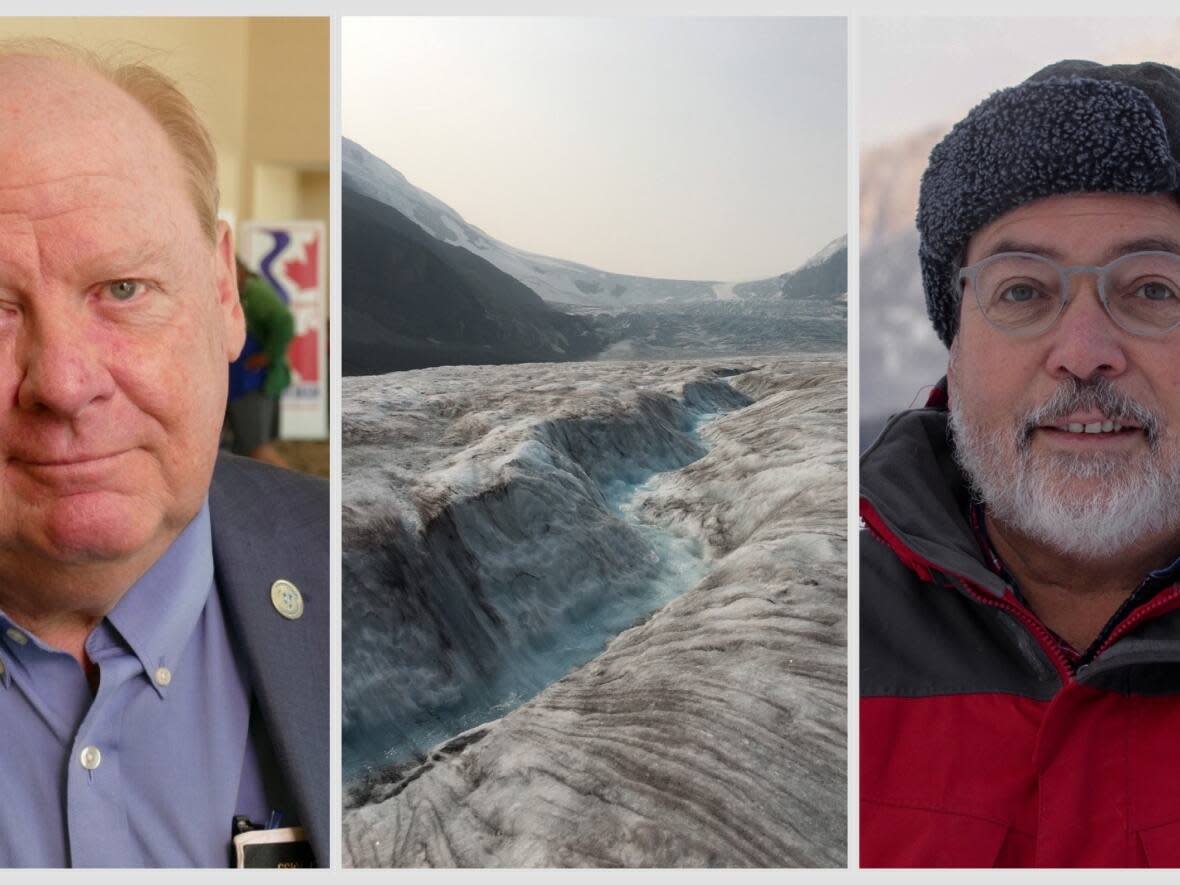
(1032, 624)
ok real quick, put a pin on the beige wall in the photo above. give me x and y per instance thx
(314, 194)
(260, 84)
(275, 191)
(288, 79)
(288, 93)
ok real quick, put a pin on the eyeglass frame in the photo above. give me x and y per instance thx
(969, 273)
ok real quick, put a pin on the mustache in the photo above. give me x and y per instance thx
(1100, 394)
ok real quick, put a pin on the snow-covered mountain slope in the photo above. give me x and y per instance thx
(826, 253)
(823, 277)
(552, 278)
(481, 505)
(412, 301)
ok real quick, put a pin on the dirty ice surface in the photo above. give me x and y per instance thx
(529, 555)
(502, 524)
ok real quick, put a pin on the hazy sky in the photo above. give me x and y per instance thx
(919, 71)
(685, 148)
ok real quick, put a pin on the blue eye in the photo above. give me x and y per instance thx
(1020, 293)
(124, 290)
(1155, 292)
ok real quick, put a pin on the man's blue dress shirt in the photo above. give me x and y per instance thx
(150, 769)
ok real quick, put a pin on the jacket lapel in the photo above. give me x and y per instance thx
(267, 527)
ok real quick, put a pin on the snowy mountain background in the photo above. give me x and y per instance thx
(412, 301)
(900, 356)
(395, 326)
(551, 278)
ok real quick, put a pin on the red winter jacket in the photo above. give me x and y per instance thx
(979, 745)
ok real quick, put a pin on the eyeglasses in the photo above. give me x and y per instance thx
(1023, 294)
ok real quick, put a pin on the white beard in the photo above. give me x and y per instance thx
(1127, 499)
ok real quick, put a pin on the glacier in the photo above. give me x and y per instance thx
(595, 614)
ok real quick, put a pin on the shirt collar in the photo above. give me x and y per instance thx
(157, 615)
(1168, 574)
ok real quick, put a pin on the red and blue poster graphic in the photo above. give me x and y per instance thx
(289, 255)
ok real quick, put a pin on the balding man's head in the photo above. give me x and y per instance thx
(156, 93)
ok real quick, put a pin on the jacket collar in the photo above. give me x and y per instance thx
(913, 490)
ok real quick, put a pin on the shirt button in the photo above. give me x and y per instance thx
(90, 758)
(16, 636)
(163, 675)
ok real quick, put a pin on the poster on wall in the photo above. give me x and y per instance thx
(289, 255)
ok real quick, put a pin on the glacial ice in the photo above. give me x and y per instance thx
(537, 513)
(710, 733)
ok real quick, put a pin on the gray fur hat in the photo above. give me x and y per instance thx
(1073, 127)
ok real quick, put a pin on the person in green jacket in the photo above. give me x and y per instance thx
(261, 373)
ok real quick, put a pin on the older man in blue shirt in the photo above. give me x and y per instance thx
(163, 628)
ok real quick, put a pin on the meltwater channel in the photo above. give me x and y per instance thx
(554, 639)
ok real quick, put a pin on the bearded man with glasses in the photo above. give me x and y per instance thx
(1020, 563)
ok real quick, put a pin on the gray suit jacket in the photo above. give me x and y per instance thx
(268, 524)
